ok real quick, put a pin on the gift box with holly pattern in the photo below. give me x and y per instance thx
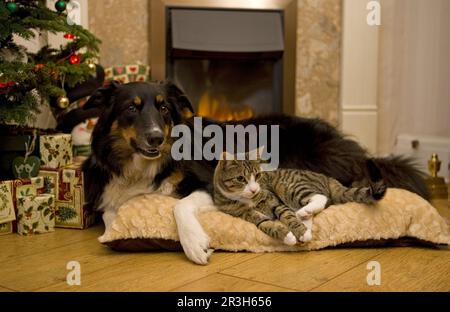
(6, 228)
(71, 209)
(56, 150)
(7, 211)
(35, 214)
(13, 190)
(32, 187)
(127, 73)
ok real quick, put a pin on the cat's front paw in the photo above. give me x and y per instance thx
(307, 237)
(290, 239)
(299, 230)
(304, 214)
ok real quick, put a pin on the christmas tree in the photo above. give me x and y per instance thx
(29, 80)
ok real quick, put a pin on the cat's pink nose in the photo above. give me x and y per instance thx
(254, 188)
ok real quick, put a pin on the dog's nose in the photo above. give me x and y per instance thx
(155, 138)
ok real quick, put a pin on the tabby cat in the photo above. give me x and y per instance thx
(281, 202)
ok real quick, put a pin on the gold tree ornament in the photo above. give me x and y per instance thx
(63, 102)
(91, 65)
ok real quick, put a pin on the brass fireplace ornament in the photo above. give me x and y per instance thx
(436, 185)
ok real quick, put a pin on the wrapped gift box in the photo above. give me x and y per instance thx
(35, 214)
(81, 150)
(128, 73)
(6, 228)
(20, 188)
(65, 184)
(7, 212)
(71, 209)
(34, 186)
(56, 150)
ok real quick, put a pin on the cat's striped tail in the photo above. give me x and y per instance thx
(365, 195)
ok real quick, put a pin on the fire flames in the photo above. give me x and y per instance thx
(219, 108)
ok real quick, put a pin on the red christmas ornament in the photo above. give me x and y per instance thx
(74, 59)
(4, 85)
(38, 67)
(69, 36)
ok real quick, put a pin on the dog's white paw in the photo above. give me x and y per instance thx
(196, 247)
(290, 239)
(193, 238)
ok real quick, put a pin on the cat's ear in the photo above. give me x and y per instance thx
(226, 156)
(256, 154)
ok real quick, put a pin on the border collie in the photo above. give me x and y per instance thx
(131, 155)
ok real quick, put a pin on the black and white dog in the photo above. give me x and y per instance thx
(131, 155)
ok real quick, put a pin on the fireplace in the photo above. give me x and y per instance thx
(232, 60)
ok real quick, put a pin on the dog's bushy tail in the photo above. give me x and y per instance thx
(402, 172)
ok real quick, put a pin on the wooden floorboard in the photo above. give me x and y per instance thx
(402, 269)
(162, 271)
(220, 282)
(302, 270)
(49, 267)
(17, 246)
(3, 289)
(39, 263)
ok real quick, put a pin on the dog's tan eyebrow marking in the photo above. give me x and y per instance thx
(159, 98)
(137, 100)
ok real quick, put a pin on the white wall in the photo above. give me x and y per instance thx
(359, 74)
(414, 75)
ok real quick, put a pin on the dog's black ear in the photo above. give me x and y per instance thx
(177, 96)
(100, 98)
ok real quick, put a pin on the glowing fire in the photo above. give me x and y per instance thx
(217, 107)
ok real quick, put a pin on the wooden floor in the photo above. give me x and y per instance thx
(38, 263)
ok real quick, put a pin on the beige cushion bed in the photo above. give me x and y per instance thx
(147, 223)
